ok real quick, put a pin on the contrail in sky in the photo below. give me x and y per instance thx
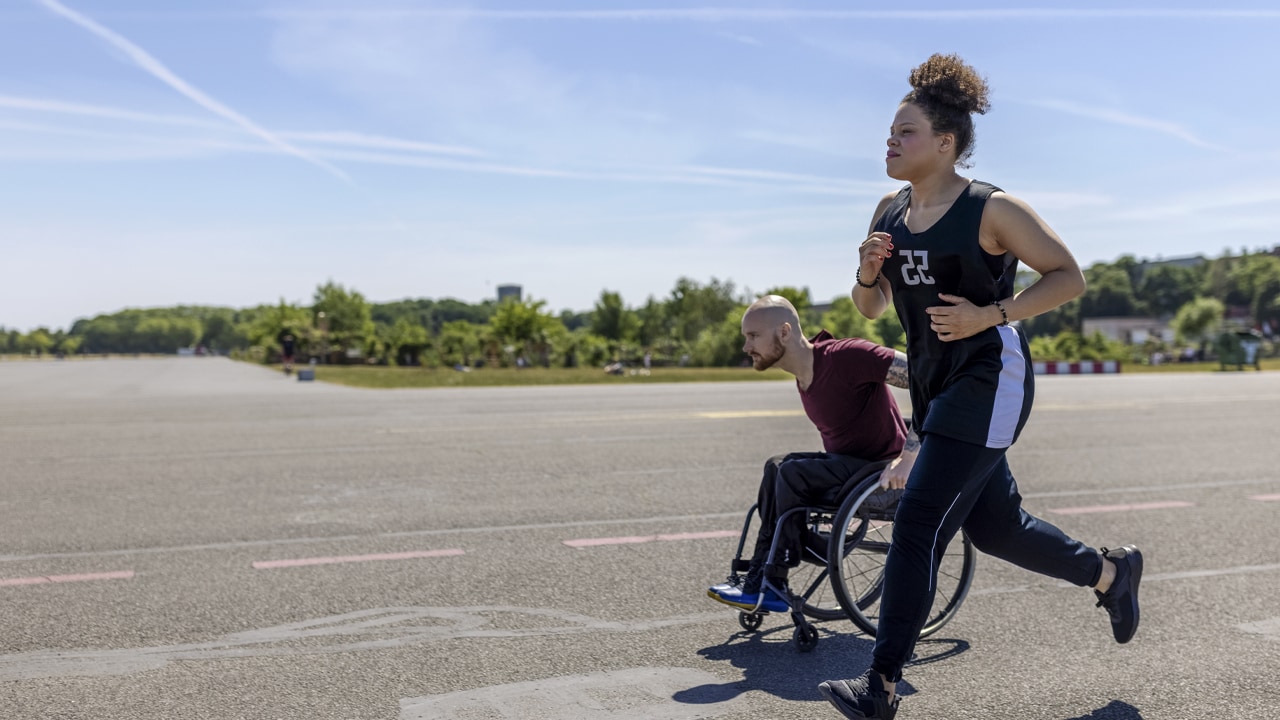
(158, 70)
(1122, 118)
(723, 14)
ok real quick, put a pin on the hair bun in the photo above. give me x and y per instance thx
(948, 80)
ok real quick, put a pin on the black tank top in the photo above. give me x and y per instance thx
(978, 389)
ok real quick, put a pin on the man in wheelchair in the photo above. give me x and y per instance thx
(842, 386)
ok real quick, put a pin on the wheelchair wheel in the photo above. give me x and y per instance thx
(750, 621)
(858, 555)
(806, 637)
(810, 580)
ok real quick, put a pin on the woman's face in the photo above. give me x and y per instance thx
(914, 149)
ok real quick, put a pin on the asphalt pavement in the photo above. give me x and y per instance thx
(200, 538)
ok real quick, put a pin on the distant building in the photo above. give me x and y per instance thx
(1188, 261)
(1128, 330)
(509, 291)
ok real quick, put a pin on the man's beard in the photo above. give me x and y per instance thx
(764, 361)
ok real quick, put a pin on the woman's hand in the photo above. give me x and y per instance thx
(877, 248)
(961, 319)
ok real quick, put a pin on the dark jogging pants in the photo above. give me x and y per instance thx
(956, 485)
(791, 481)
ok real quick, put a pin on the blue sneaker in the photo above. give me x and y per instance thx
(751, 602)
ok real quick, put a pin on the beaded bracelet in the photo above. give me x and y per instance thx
(857, 277)
(1003, 314)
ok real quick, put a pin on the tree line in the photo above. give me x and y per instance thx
(694, 324)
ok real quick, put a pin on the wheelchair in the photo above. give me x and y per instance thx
(846, 540)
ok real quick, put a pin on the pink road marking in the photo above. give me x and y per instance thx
(1266, 498)
(1121, 508)
(119, 575)
(264, 564)
(634, 539)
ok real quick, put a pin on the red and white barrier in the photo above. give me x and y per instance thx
(1083, 367)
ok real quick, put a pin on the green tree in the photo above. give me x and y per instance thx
(694, 307)
(344, 316)
(38, 341)
(406, 341)
(587, 349)
(612, 320)
(1197, 319)
(1258, 278)
(159, 334)
(1108, 293)
(844, 320)
(525, 326)
(221, 332)
(653, 322)
(574, 320)
(890, 330)
(1165, 288)
(69, 344)
(264, 325)
(459, 343)
(721, 344)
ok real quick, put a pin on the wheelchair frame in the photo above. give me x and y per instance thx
(854, 563)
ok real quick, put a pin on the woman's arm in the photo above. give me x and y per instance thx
(1016, 228)
(1010, 225)
(878, 247)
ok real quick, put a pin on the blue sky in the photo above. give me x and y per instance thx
(235, 152)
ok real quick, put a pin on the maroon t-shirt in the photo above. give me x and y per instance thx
(848, 400)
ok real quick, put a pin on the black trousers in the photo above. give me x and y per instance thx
(791, 481)
(956, 485)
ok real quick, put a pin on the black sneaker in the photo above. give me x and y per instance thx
(1121, 599)
(862, 698)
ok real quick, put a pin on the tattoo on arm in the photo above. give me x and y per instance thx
(913, 442)
(897, 376)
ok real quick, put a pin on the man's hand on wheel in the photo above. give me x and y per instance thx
(895, 476)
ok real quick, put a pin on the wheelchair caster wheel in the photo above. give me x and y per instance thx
(750, 621)
(806, 637)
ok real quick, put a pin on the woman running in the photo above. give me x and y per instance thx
(944, 251)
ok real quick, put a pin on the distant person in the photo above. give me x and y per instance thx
(842, 388)
(943, 251)
(287, 348)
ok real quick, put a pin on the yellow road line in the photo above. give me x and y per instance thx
(732, 414)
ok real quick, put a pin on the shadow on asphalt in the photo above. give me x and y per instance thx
(771, 663)
(1114, 710)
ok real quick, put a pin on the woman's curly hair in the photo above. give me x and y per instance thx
(949, 91)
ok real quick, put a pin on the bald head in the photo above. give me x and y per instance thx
(773, 310)
(771, 327)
